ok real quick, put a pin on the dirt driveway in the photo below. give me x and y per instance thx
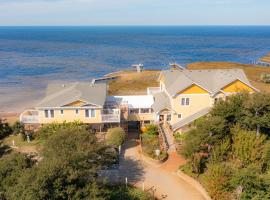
(161, 180)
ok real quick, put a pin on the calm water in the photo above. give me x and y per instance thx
(31, 56)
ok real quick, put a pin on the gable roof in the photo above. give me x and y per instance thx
(58, 95)
(211, 80)
(161, 102)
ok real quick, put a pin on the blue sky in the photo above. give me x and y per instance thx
(134, 12)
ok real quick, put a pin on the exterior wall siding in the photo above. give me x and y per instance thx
(197, 102)
(70, 116)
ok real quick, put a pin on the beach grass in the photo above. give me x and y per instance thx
(253, 72)
(266, 58)
(133, 83)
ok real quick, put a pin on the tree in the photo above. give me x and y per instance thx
(69, 169)
(5, 129)
(217, 181)
(257, 112)
(247, 147)
(12, 166)
(115, 136)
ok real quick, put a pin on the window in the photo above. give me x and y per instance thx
(134, 110)
(93, 113)
(77, 111)
(49, 113)
(90, 113)
(87, 113)
(185, 101)
(52, 113)
(145, 110)
(62, 112)
(169, 118)
(46, 114)
(179, 116)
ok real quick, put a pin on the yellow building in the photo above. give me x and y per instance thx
(183, 96)
(187, 95)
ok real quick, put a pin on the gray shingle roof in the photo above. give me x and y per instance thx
(161, 101)
(58, 95)
(211, 80)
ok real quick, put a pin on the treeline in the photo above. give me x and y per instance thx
(67, 168)
(229, 150)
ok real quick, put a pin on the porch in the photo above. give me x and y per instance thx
(29, 117)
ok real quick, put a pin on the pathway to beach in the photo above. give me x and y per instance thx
(161, 180)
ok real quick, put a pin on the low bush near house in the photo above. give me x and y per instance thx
(115, 136)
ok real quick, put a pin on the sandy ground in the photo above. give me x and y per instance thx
(14, 100)
(161, 180)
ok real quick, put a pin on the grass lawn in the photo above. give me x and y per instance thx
(253, 72)
(23, 146)
(133, 83)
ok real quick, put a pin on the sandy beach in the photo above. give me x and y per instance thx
(14, 100)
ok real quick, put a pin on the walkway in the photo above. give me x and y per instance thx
(162, 180)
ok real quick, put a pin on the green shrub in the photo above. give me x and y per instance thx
(130, 193)
(115, 136)
(54, 128)
(5, 129)
(247, 147)
(217, 181)
(18, 128)
(151, 129)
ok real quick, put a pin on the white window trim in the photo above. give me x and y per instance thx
(185, 101)
(49, 114)
(90, 113)
(62, 112)
(77, 113)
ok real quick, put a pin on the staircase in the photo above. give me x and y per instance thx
(168, 139)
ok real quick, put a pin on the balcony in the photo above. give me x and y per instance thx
(110, 116)
(29, 117)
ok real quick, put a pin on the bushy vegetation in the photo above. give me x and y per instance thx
(150, 142)
(70, 161)
(115, 136)
(151, 129)
(229, 150)
(53, 128)
(5, 129)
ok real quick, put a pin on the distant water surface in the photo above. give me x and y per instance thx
(30, 57)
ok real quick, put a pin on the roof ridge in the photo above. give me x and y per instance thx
(54, 95)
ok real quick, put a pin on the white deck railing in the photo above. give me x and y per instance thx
(110, 115)
(29, 119)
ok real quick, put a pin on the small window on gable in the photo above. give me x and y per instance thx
(77, 111)
(179, 116)
(62, 112)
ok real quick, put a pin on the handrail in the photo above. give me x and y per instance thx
(164, 138)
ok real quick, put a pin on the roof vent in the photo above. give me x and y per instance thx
(63, 85)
